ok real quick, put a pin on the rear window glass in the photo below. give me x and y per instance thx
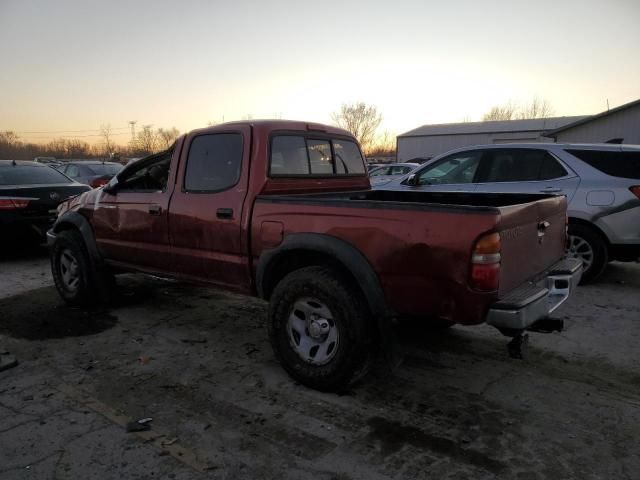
(616, 164)
(104, 168)
(297, 155)
(214, 162)
(27, 175)
(348, 157)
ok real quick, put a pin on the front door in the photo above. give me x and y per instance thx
(454, 173)
(207, 235)
(131, 224)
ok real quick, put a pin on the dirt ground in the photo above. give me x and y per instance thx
(198, 362)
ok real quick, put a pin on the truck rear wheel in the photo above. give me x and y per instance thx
(78, 280)
(587, 245)
(320, 330)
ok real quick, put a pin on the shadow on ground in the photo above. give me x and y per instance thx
(40, 314)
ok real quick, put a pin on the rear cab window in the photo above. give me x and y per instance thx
(296, 155)
(614, 163)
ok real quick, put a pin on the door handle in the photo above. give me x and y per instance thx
(155, 209)
(224, 213)
(551, 190)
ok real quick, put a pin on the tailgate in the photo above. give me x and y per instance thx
(533, 238)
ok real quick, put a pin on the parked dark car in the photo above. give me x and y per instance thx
(30, 193)
(91, 172)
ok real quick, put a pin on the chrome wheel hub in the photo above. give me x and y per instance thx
(581, 249)
(313, 334)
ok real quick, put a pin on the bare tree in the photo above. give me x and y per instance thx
(107, 140)
(501, 112)
(168, 136)
(384, 144)
(75, 148)
(538, 108)
(361, 120)
(147, 141)
(9, 144)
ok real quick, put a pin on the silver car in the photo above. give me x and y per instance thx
(385, 173)
(601, 182)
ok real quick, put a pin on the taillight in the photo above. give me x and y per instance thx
(635, 190)
(13, 203)
(98, 182)
(485, 263)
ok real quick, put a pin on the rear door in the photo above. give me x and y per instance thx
(205, 217)
(454, 173)
(525, 170)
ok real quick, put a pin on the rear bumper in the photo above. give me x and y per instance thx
(534, 301)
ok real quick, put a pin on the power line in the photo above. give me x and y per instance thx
(79, 136)
(73, 131)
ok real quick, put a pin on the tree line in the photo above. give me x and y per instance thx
(359, 118)
(145, 142)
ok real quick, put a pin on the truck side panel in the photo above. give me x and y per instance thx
(421, 256)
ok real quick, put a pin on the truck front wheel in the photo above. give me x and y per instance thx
(78, 280)
(320, 330)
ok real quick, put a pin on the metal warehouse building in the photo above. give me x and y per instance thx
(620, 125)
(431, 140)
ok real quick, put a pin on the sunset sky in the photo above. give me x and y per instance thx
(69, 66)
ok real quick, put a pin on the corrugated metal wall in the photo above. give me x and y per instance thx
(430, 146)
(624, 124)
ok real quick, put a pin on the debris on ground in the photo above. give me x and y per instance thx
(140, 425)
(144, 360)
(192, 341)
(7, 361)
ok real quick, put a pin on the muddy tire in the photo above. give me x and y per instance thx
(78, 280)
(320, 329)
(589, 246)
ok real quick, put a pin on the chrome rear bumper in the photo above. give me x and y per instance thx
(531, 302)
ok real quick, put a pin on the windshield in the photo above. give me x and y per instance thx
(105, 168)
(29, 175)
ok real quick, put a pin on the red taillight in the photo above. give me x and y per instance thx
(13, 203)
(485, 263)
(635, 190)
(98, 182)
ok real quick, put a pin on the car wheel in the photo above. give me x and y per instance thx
(589, 246)
(77, 279)
(320, 329)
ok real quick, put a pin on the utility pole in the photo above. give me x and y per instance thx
(133, 130)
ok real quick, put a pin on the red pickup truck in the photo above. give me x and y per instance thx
(284, 210)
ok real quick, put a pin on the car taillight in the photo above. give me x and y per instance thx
(13, 203)
(485, 263)
(635, 190)
(98, 182)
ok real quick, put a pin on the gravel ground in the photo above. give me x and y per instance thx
(198, 362)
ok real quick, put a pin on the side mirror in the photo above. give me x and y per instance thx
(412, 179)
(112, 186)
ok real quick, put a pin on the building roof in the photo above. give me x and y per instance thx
(502, 126)
(591, 118)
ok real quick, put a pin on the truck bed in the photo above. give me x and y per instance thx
(420, 242)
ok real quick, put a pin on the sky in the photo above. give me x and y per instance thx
(69, 66)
